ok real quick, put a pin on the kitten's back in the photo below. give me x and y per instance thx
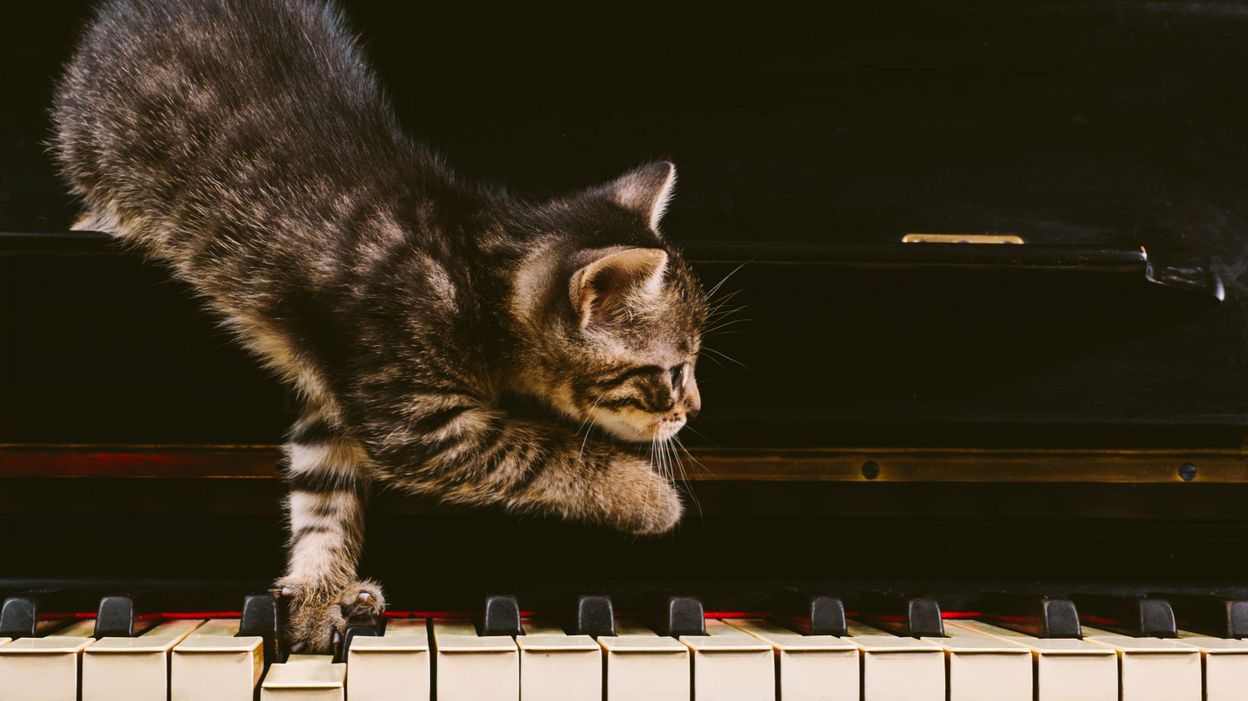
(218, 112)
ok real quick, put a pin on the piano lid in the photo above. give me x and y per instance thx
(809, 141)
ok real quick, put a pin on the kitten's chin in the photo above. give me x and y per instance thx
(637, 431)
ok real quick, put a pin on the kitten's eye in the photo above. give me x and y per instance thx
(678, 375)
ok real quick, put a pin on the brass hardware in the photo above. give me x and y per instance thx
(961, 238)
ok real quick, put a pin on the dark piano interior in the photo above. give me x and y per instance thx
(809, 141)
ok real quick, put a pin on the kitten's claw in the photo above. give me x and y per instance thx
(318, 613)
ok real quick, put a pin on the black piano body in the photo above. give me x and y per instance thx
(1060, 415)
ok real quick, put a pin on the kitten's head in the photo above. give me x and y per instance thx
(625, 314)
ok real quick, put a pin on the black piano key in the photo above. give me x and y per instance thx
(120, 616)
(811, 614)
(1032, 614)
(913, 616)
(677, 615)
(21, 614)
(18, 617)
(595, 615)
(1129, 615)
(262, 617)
(1217, 616)
(502, 616)
(356, 626)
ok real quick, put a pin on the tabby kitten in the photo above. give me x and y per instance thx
(246, 144)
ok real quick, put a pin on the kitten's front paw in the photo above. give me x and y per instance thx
(315, 613)
(647, 502)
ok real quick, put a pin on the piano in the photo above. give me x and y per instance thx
(974, 422)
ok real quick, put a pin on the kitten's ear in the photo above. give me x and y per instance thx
(645, 191)
(603, 285)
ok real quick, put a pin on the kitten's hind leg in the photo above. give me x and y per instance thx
(325, 507)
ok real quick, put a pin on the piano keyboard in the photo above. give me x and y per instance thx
(1019, 648)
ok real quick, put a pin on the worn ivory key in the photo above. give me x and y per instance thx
(394, 666)
(644, 666)
(1066, 669)
(555, 666)
(472, 667)
(47, 668)
(985, 668)
(213, 664)
(133, 669)
(305, 678)
(810, 667)
(896, 668)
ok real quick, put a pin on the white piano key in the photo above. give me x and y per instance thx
(211, 664)
(305, 678)
(1153, 669)
(1065, 669)
(896, 668)
(644, 666)
(474, 667)
(983, 668)
(731, 665)
(555, 666)
(558, 666)
(133, 669)
(809, 667)
(1225, 664)
(47, 668)
(391, 667)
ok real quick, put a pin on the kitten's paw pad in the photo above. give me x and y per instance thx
(317, 616)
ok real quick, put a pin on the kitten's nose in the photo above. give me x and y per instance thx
(693, 399)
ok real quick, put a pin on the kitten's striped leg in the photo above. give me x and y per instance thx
(325, 508)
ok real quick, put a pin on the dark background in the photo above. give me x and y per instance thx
(1105, 124)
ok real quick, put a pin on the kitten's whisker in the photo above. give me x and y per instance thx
(586, 439)
(725, 356)
(680, 444)
(724, 325)
(588, 415)
(684, 477)
(717, 313)
(645, 511)
(724, 279)
(726, 298)
(721, 304)
(705, 437)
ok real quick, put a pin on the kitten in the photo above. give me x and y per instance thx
(246, 144)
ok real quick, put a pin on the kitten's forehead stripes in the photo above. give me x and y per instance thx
(627, 375)
(627, 402)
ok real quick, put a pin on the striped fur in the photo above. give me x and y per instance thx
(448, 339)
(327, 473)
